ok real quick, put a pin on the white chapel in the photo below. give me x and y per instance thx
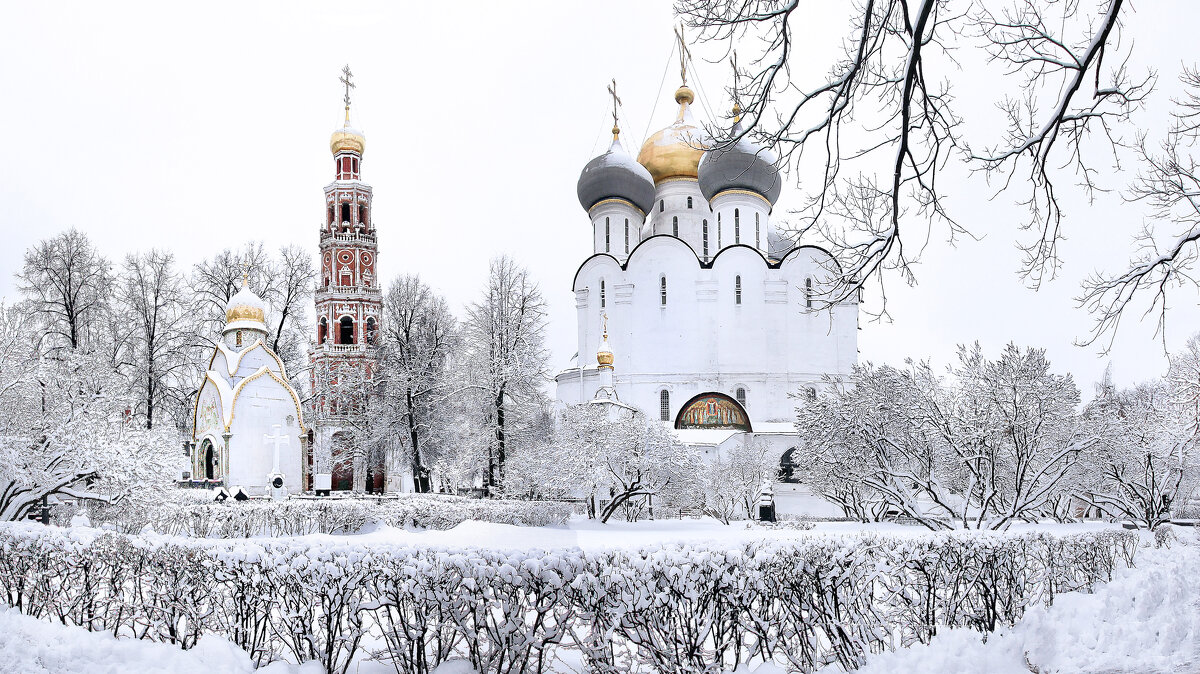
(715, 322)
(245, 403)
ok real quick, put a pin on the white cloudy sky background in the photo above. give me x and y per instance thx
(202, 126)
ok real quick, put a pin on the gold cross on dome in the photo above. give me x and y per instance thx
(346, 80)
(616, 101)
(684, 54)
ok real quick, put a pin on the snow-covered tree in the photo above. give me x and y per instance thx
(506, 362)
(160, 363)
(413, 386)
(993, 442)
(617, 458)
(68, 285)
(732, 483)
(63, 429)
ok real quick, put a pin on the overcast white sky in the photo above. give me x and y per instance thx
(200, 126)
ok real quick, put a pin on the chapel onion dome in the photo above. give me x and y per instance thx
(604, 354)
(347, 138)
(744, 166)
(246, 311)
(674, 152)
(615, 175)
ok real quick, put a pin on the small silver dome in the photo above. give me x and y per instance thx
(745, 166)
(615, 174)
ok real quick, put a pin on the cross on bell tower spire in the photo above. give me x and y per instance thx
(346, 79)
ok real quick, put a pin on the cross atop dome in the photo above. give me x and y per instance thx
(347, 79)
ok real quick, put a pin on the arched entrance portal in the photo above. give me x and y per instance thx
(713, 410)
(210, 460)
(787, 466)
(343, 462)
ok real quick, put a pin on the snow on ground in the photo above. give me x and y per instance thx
(1147, 620)
(33, 646)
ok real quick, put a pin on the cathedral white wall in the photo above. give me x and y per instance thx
(736, 213)
(616, 214)
(702, 340)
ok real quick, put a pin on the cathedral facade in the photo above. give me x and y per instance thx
(715, 321)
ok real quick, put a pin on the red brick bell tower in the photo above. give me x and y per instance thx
(349, 307)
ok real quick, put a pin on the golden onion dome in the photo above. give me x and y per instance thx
(604, 355)
(347, 138)
(246, 310)
(675, 152)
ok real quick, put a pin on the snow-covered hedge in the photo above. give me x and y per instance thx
(232, 519)
(690, 608)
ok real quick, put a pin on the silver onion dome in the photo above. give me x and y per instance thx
(615, 175)
(744, 166)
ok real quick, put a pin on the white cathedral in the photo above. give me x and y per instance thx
(715, 322)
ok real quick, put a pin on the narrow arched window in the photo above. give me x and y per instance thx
(370, 331)
(345, 212)
(737, 226)
(718, 231)
(808, 292)
(662, 290)
(664, 405)
(757, 231)
(737, 289)
(606, 238)
(689, 202)
(346, 330)
(626, 236)
(675, 225)
(601, 293)
(660, 205)
(705, 236)
(740, 394)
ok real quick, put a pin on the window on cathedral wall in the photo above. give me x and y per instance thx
(757, 229)
(675, 225)
(740, 394)
(664, 405)
(808, 293)
(737, 226)
(602, 299)
(626, 236)
(607, 240)
(705, 236)
(737, 289)
(662, 290)
(689, 202)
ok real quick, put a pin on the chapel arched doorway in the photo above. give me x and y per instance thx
(210, 460)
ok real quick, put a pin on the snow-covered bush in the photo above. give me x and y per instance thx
(232, 519)
(684, 608)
